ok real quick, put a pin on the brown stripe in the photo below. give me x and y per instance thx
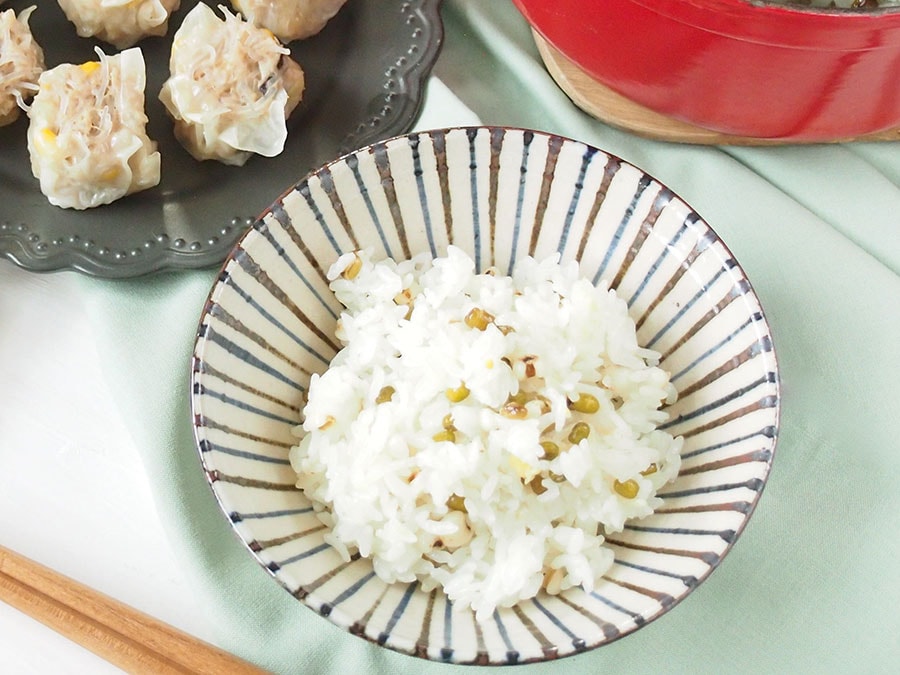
(252, 268)
(258, 545)
(706, 318)
(283, 218)
(547, 646)
(329, 575)
(200, 420)
(680, 552)
(662, 598)
(479, 638)
(609, 629)
(497, 136)
(755, 456)
(714, 375)
(421, 647)
(326, 182)
(207, 369)
(609, 171)
(741, 507)
(383, 164)
(660, 202)
(359, 626)
(554, 145)
(701, 246)
(221, 314)
(439, 141)
(216, 475)
(747, 409)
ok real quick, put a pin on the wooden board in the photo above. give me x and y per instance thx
(613, 108)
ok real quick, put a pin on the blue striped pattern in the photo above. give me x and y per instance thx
(501, 194)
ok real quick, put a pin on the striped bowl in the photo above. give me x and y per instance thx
(500, 194)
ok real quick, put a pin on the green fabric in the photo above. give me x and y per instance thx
(812, 585)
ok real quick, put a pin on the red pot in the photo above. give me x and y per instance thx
(757, 70)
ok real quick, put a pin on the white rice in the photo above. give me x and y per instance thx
(461, 494)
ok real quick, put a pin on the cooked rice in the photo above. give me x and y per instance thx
(422, 443)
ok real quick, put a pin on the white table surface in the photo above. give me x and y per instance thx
(73, 495)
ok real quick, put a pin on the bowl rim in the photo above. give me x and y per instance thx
(420, 650)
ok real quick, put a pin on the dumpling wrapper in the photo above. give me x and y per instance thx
(87, 132)
(21, 63)
(289, 19)
(121, 23)
(231, 88)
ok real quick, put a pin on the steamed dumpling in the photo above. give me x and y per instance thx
(87, 132)
(121, 23)
(231, 88)
(21, 63)
(289, 19)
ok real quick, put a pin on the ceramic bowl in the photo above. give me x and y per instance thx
(499, 194)
(753, 69)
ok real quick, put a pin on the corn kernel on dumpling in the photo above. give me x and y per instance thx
(121, 23)
(289, 19)
(87, 132)
(231, 88)
(21, 63)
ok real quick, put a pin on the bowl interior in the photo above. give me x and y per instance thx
(500, 194)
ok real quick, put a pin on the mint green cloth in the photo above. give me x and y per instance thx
(812, 585)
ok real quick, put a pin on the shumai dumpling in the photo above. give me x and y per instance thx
(87, 132)
(289, 19)
(231, 88)
(121, 23)
(21, 63)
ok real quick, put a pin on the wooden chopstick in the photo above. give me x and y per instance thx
(125, 637)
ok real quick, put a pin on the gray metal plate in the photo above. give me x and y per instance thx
(365, 74)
